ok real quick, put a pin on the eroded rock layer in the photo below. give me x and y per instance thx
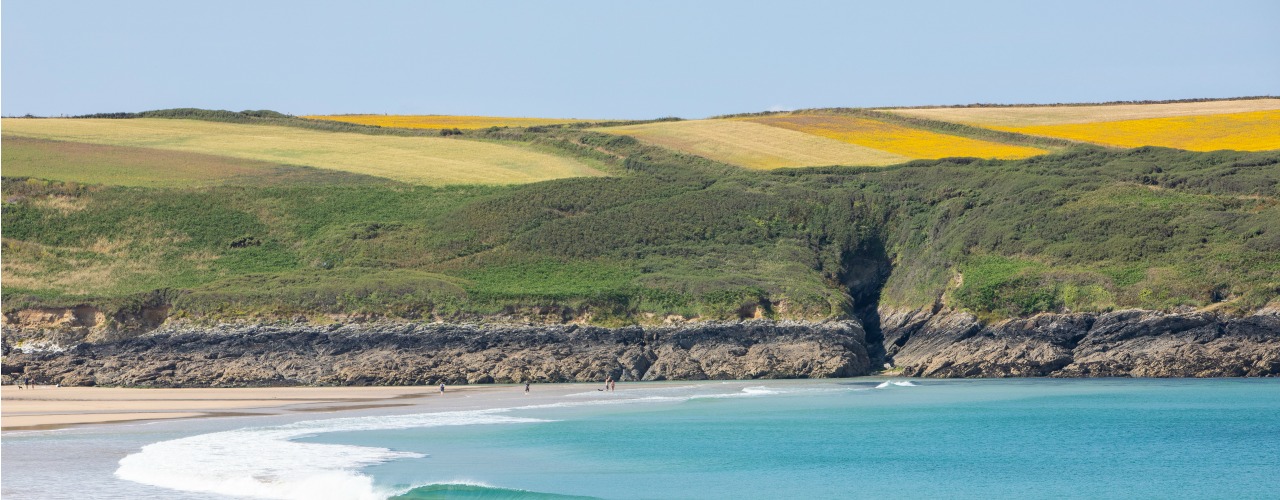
(428, 354)
(946, 343)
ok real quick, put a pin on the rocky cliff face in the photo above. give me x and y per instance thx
(946, 343)
(407, 354)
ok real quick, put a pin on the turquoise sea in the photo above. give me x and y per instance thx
(852, 438)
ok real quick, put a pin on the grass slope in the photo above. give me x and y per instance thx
(1087, 230)
(416, 160)
(753, 145)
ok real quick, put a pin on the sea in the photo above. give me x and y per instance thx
(843, 438)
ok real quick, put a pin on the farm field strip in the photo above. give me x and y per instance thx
(146, 167)
(753, 145)
(1250, 131)
(443, 121)
(1023, 116)
(896, 139)
(416, 160)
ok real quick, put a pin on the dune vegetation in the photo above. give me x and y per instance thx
(414, 160)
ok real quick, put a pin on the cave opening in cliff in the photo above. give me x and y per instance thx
(864, 273)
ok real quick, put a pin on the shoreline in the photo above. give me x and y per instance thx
(47, 407)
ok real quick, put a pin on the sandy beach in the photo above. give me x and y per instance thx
(49, 407)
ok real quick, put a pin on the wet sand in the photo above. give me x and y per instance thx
(49, 407)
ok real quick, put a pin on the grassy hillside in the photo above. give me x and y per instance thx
(669, 233)
(415, 160)
(673, 235)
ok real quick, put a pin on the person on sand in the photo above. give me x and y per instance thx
(441, 388)
(526, 387)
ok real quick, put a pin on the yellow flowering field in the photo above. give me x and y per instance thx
(1249, 131)
(892, 138)
(443, 121)
(1026, 116)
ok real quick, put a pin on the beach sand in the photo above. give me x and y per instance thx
(49, 407)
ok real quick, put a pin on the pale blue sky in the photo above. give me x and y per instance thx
(612, 59)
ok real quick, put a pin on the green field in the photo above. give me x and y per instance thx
(416, 160)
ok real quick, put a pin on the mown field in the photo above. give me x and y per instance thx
(897, 139)
(415, 160)
(444, 121)
(753, 145)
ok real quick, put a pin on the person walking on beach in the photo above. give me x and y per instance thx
(441, 388)
(526, 387)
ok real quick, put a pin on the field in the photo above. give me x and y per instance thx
(1023, 116)
(145, 167)
(753, 145)
(896, 139)
(443, 121)
(415, 160)
(1250, 131)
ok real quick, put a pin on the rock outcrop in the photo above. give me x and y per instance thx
(413, 354)
(1135, 343)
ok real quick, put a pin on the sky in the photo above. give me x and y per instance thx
(623, 59)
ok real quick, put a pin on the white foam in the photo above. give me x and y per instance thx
(899, 383)
(268, 463)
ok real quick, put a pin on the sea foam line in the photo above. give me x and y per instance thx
(266, 462)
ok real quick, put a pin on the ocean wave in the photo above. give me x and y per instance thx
(899, 383)
(469, 489)
(267, 462)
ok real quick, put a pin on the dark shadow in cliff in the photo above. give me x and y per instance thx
(864, 274)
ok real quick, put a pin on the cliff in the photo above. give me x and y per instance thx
(1132, 343)
(412, 354)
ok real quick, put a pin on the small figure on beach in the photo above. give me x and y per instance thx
(441, 387)
(526, 387)
(613, 384)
